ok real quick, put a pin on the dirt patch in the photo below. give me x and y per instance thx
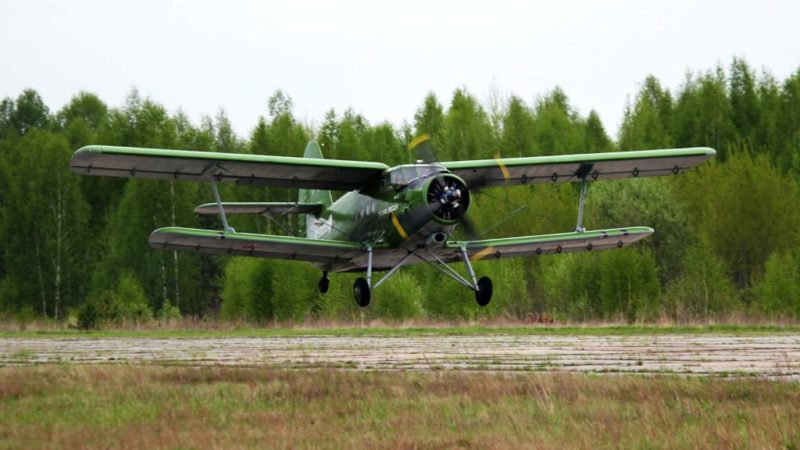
(775, 356)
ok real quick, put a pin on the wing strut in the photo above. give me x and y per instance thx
(581, 203)
(393, 270)
(225, 225)
(369, 266)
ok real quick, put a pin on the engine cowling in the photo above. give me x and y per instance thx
(451, 195)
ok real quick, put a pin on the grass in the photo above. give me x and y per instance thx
(79, 406)
(403, 331)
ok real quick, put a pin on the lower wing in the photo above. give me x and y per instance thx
(325, 252)
(547, 243)
(347, 256)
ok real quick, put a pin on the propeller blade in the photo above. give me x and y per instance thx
(423, 148)
(469, 229)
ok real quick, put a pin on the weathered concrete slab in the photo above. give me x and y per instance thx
(775, 356)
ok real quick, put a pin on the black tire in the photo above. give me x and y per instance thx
(484, 293)
(361, 292)
(323, 285)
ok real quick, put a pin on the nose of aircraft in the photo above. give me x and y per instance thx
(451, 194)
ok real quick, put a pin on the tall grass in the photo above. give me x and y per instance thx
(76, 406)
(188, 326)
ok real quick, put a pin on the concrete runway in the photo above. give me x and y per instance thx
(773, 356)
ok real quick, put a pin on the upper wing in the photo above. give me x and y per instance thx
(261, 170)
(547, 243)
(561, 168)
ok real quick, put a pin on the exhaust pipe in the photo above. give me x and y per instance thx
(436, 239)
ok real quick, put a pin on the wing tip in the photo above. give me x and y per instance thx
(82, 159)
(205, 208)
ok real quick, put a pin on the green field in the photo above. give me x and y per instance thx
(427, 330)
(78, 406)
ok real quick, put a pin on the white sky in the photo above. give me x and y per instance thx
(380, 58)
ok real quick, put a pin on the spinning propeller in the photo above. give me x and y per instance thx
(448, 197)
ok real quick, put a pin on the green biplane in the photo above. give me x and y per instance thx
(388, 217)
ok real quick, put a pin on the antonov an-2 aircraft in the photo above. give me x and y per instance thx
(389, 216)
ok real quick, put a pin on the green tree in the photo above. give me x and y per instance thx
(789, 124)
(779, 292)
(602, 285)
(226, 140)
(43, 226)
(259, 138)
(647, 125)
(385, 145)
(86, 107)
(238, 288)
(745, 111)
(517, 137)
(430, 117)
(557, 127)
(596, 138)
(400, 298)
(748, 210)
(467, 133)
(280, 104)
(263, 290)
(610, 206)
(7, 108)
(703, 290)
(30, 112)
(703, 113)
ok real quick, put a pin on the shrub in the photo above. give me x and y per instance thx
(779, 292)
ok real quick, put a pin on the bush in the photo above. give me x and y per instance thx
(169, 313)
(262, 290)
(238, 288)
(25, 316)
(126, 302)
(703, 290)
(602, 285)
(131, 300)
(400, 298)
(87, 316)
(779, 292)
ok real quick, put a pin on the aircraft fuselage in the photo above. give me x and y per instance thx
(405, 207)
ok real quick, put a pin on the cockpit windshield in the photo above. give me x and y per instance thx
(403, 175)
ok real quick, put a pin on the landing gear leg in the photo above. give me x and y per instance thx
(324, 283)
(482, 287)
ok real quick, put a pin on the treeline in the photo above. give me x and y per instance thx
(726, 238)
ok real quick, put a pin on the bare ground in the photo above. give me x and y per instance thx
(773, 356)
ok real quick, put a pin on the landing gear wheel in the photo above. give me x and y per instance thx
(484, 293)
(361, 292)
(324, 282)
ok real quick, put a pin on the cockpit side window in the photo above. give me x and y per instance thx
(398, 178)
(402, 176)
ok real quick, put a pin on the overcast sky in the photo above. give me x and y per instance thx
(381, 58)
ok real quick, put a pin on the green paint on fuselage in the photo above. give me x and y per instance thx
(366, 215)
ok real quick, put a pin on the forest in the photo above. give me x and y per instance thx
(727, 243)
